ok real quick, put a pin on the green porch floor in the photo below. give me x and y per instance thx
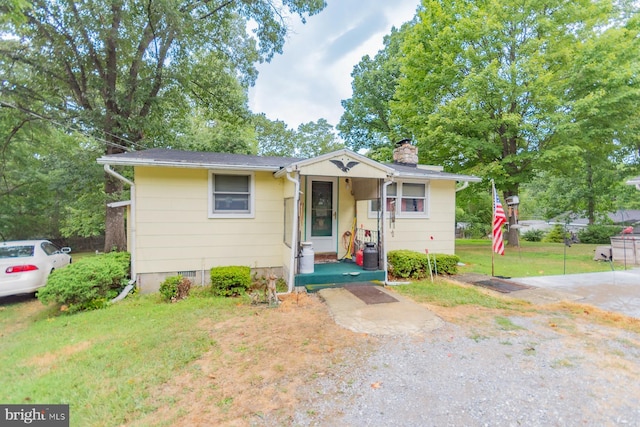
(335, 274)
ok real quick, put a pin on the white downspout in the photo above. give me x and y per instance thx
(383, 202)
(294, 231)
(132, 220)
(464, 185)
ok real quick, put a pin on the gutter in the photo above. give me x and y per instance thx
(383, 201)
(464, 185)
(132, 220)
(185, 165)
(294, 231)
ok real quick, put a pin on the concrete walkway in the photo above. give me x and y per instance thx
(617, 291)
(394, 318)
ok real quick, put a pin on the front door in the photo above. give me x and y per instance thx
(321, 214)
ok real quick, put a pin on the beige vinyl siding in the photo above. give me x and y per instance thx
(415, 233)
(326, 168)
(346, 212)
(174, 232)
(363, 216)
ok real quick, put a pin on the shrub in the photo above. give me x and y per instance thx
(478, 230)
(230, 281)
(175, 288)
(89, 283)
(533, 235)
(405, 263)
(598, 234)
(556, 235)
(446, 264)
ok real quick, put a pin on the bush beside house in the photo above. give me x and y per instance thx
(410, 264)
(230, 281)
(175, 288)
(87, 284)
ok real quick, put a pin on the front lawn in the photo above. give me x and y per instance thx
(530, 259)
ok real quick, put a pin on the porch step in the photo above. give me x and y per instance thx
(335, 274)
(325, 257)
(316, 288)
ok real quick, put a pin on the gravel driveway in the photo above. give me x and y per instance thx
(543, 370)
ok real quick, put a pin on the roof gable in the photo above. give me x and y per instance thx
(341, 163)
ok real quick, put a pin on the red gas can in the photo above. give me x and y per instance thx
(360, 257)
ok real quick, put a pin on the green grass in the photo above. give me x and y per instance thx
(75, 256)
(531, 259)
(446, 294)
(104, 363)
(505, 324)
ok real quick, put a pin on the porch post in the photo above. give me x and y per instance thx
(294, 231)
(383, 202)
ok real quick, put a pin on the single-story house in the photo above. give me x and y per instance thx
(635, 182)
(191, 211)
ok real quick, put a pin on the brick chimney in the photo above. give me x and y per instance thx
(405, 153)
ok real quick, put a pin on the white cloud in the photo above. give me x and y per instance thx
(311, 77)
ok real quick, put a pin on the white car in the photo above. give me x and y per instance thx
(25, 265)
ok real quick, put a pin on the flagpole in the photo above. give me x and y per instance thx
(493, 210)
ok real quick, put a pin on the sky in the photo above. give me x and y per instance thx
(313, 74)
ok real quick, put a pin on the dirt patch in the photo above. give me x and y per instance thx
(29, 308)
(48, 360)
(256, 366)
(264, 362)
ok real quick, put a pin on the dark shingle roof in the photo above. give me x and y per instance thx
(169, 156)
(179, 158)
(417, 172)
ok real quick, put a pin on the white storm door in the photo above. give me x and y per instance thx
(322, 214)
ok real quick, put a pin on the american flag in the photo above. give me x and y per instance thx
(499, 219)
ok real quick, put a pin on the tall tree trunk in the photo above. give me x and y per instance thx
(115, 237)
(513, 235)
(591, 198)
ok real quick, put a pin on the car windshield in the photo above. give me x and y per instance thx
(16, 251)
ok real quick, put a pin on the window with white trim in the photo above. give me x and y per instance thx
(406, 199)
(231, 195)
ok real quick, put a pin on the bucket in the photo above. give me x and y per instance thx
(306, 258)
(370, 256)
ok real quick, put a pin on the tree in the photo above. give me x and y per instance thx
(204, 132)
(315, 138)
(597, 138)
(480, 87)
(123, 70)
(366, 120)
(274, 138)
(44, 177)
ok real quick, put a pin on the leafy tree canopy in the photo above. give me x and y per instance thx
(366, 120)
(507, 90)
(130, 73)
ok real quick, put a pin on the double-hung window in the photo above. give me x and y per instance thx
(405, 199)
(231, 195)
(414, 197)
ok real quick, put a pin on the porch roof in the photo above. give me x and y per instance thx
(430, 173)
